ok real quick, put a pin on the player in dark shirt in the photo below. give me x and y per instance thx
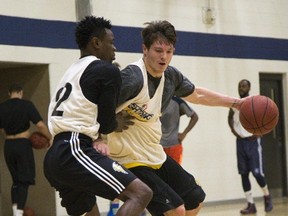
(15, 117)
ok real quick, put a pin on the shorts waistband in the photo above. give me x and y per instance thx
(69, 134)
(251, 138)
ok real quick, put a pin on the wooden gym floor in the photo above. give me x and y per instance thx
(280, 208)
(232, 208)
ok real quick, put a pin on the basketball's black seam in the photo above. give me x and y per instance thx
(254, 115)
(267, 123)
(249, 122)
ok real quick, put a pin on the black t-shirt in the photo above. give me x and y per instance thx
(16, 114)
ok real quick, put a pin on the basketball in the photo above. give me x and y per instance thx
(39, 141)
(28, 212)
(259, 115)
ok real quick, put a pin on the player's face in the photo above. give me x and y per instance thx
(158, 57)
(243, 89)
(107, 48)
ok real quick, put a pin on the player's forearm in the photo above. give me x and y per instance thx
(43, 129)
(191, 124)
(211, 98)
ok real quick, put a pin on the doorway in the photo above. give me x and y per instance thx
(36, 86)
(274, 146)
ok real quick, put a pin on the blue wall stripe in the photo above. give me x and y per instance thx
(231, 46)
(37, 33)
(60, 34)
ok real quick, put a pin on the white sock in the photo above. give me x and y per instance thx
(249, 196)
(19, 212)
(14, 208)
(265, 191)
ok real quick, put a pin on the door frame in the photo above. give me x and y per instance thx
(280, 78)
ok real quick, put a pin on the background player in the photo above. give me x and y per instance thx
(15, 117)
(172, 139)
(249, 155)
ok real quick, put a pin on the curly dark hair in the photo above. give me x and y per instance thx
(156, 30)
(89, 27)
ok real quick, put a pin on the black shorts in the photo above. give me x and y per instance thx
(20, 161)
(79, 173)
(249, 155)
(172, 186)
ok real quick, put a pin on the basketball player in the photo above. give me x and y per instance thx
(172, 139)
(147, 87)
(82, 108)
(15, 117)
(249, 155)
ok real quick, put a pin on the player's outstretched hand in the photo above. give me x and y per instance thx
(124, 121)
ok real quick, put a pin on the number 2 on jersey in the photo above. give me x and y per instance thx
(67, 88)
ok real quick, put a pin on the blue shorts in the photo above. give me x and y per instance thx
(249, 155)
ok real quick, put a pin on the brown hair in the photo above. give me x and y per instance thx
(158, 30)
(15, 87)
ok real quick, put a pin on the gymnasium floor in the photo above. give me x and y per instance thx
(232, 208)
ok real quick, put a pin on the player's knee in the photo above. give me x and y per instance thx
(195, 211)
(140, 191)
(145, 192)
(179, 211)
(257, 174)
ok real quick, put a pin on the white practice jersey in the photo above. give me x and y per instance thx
(68, 104)
(140, 143)
(237, 125)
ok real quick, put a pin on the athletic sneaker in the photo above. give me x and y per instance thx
(250, 209)
(268, 203)
(113, 209)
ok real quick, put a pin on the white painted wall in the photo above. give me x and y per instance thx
(209, 150)
(43, 9)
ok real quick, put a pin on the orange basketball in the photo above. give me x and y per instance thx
(259, 115)
(39, 141)
(28, 212)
